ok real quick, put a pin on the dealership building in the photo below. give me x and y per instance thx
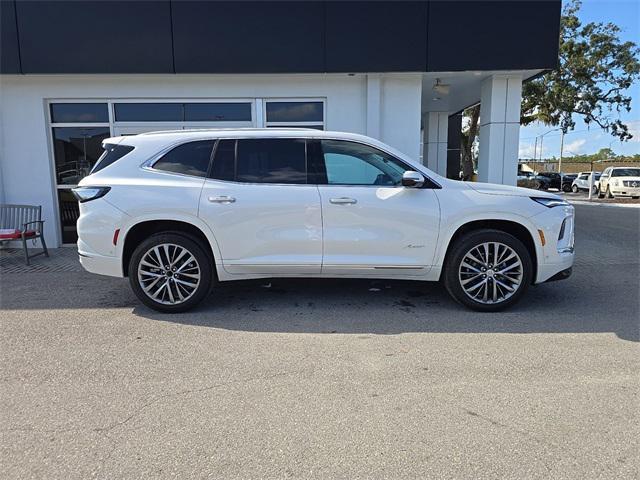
(73, 73)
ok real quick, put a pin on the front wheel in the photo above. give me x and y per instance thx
(566, 188)
(609, 194)
(488, 270)
(574, 188)
(170, 272)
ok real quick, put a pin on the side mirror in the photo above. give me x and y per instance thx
(412, 179)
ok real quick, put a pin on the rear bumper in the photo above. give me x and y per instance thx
(100, 264)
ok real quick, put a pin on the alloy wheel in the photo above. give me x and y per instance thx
(490, 272)
(169, 274)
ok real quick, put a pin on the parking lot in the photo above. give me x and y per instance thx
(326, 378)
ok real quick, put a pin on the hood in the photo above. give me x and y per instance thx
(496, 189)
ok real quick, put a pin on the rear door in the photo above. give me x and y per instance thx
(263, 214)
(372, 224)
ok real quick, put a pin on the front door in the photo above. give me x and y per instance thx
(263, 214)
(370, 221)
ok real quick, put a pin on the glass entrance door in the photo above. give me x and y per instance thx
(78, 130)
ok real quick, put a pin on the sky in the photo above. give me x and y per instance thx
(584, 139)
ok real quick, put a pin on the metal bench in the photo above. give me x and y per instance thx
(22, 222)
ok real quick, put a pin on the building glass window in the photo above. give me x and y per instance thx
(79, 112)
(76, 150)
(148, 112)
(183, 112)
(294, 114)
(217, 112)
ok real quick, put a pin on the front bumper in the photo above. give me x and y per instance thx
(557, 253)
(625, 191)
(562, 275)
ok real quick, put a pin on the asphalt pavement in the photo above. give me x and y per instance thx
(327, 378)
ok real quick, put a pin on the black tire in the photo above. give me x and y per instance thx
(458, 251)
(609, 194)
(204, 264)
(574, 188)
(600, 195)
(566, 188)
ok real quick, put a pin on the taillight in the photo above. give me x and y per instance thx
(85, 194)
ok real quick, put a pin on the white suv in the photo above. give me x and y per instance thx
(177, 212)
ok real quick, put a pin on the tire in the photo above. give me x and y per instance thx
(574, 188)
(635, 198)
(190, 259)
(455, 273)
(600, 195)
(609, 194)
(566, 188)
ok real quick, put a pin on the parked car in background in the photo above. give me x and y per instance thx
(621, 182)
(177, 212)
(581, 183)
(567, 181)
(533, 180)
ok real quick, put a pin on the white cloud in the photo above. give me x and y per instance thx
(575, 147)
(634, 129)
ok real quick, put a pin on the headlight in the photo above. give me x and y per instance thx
(551, 202)
(616, 183)
(84, 194)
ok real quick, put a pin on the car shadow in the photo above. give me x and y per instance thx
(581, 304)
(347, 306)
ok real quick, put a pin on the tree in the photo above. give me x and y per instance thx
(595, 71)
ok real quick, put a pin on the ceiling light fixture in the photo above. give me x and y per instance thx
(441, 88)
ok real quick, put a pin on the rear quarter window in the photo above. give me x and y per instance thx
(190, 158)
(112, 153)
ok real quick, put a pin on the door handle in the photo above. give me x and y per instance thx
(343, 201)
(222, 199)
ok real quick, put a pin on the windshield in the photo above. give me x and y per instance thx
(626, 172)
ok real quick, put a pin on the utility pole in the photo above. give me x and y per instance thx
(535, 150)
(560, 161)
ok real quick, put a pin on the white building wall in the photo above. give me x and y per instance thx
(27, 171)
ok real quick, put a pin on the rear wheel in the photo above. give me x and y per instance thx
(488, 270)
(566, 188)
(170, 272)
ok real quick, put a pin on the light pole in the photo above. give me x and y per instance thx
(542, 138)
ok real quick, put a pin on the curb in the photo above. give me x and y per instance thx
(622, 205)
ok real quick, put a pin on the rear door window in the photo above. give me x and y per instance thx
(271, 160)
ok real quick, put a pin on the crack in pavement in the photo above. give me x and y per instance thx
(139, 410)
